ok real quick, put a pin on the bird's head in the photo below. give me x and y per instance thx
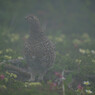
(34, 23)
(31, 19)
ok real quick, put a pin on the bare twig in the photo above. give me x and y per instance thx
(14, 68)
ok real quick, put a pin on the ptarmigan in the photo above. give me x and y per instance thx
(39, 50)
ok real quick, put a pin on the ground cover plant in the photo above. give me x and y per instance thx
(70, 25)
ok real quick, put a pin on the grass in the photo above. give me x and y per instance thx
(75, 52)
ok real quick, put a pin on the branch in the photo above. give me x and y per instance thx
(21, 71)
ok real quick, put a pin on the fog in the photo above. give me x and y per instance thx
(69, 24)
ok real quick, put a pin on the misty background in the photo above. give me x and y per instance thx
(70, 24)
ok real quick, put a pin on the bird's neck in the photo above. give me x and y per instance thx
(36, 33)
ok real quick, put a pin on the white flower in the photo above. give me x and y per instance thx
(7, 57)
(88, 91)
(8, 50)
(26, 85)
(78, 61)
(86, 83)
(82, 51)
(20, 58)
(63, 78)
(93, 51)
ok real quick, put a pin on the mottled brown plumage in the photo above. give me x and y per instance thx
(39, 50)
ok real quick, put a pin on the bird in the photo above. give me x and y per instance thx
(39, 51)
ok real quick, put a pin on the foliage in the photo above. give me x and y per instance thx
(69, 24)
(10, 86)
